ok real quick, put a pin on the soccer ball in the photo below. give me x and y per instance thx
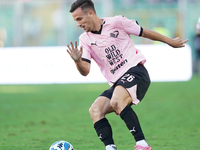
(61, 145)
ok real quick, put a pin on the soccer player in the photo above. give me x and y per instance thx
(108, 42)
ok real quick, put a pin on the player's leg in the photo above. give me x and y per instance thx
(121, 101)
(97, 111)
(100, 108)
(131, 88)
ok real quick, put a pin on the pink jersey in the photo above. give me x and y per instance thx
(112, 47)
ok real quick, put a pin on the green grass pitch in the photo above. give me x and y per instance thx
(32, 117)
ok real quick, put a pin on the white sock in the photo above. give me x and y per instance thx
(110, 147)
(142, 143)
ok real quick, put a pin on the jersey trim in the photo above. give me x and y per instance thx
(141, 31)
(83, 59)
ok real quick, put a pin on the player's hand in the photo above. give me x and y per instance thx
(74, 52)
(178, 42)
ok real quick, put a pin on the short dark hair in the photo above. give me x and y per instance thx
(84, 4)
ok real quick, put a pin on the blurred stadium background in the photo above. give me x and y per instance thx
(49, 23)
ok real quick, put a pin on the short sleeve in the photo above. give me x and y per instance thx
(86, 56)
(131, 26)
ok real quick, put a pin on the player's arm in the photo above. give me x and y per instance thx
(82, 66)
(176, 42)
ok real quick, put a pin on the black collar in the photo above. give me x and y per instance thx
(99, 32)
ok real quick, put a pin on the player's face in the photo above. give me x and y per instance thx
(83, 20)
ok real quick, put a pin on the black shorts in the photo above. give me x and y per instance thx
(136, 80)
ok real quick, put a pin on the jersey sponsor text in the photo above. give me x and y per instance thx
(119, 66)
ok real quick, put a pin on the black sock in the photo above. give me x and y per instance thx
(104, 131)
(132, 122)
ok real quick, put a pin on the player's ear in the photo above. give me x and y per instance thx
(90, 13)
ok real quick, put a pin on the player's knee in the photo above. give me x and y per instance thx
(94, 111)
(91, 110)
(119, 104)
(115, 103)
